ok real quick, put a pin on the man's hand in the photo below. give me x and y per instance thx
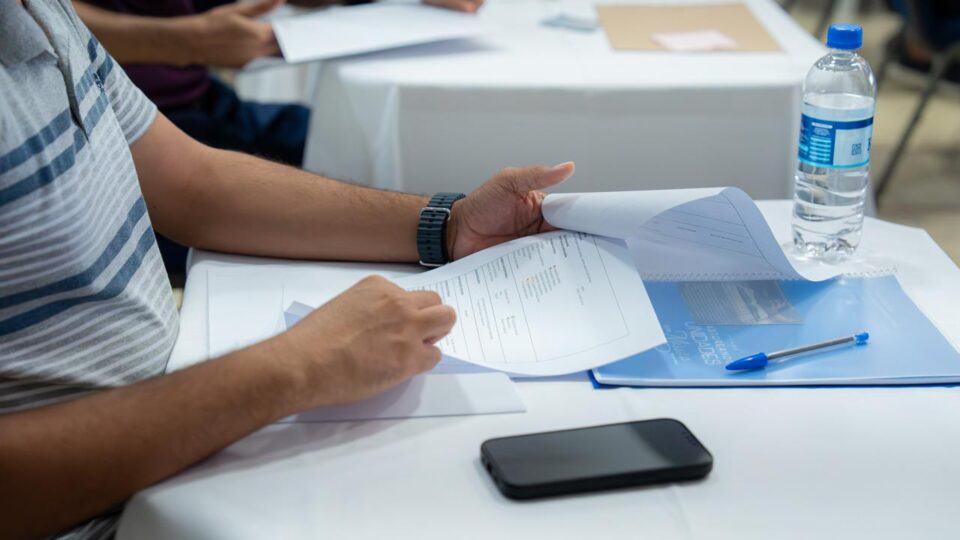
(231, 36)
(469, 6)
(372, 337)
(506, 207)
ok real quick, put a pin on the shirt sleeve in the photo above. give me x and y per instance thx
(134, 110)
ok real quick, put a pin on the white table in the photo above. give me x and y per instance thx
(790, 463)
(447, 116)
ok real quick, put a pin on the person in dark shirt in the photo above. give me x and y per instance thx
(936, 28)
(165, 47)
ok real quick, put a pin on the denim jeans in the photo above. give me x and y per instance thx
(222, 120)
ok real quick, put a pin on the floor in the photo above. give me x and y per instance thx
(925, 191)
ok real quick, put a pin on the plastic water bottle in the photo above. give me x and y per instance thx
(836, 126)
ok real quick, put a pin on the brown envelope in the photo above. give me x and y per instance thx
(631, 27)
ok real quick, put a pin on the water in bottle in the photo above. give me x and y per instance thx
(836, 126)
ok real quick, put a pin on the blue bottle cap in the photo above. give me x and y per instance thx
(847, 37)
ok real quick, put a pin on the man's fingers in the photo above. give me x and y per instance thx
(256, 9)
(425, 299)
(432, 357)
(464, 5)
(537, 178)
(543, 226)
(436, 322)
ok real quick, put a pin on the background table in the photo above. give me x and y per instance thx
(447, 116)
(790, 463)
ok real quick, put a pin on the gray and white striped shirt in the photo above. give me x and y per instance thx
(84, 299)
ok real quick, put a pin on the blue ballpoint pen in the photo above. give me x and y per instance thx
(761, 360)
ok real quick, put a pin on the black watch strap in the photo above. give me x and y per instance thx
(432, 229)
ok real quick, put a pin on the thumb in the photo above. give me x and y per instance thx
(256, 9)
(537, 178)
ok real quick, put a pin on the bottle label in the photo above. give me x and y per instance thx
(830, 138)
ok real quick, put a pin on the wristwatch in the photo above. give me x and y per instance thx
(432, 229)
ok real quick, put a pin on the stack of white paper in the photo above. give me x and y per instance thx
(344, 31)
(551, 304)
(564, 301)
(706, 234)
(245, 307)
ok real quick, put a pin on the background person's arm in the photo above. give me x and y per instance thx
(226, 201)
(226, 36)
(63, 464)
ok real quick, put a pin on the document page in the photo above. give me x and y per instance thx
(710, 234)
(343, 31)
(549, 304)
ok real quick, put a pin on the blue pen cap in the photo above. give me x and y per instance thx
(756, 361)
(846, 37)
(861, 338)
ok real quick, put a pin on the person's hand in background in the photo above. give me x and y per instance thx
(231, 35)
(469, 6)
(505, 207)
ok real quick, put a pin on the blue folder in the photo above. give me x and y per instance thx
(704, 333)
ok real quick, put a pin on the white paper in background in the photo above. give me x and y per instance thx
(572, 22)
(344, 31)
(550, 304)
(700, 40)
(709, 234)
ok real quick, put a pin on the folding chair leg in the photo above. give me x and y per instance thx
(890, 51)
(937, 72)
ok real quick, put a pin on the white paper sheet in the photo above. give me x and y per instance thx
(452, 388)
(549, 304)
(344, 31)
(245, 306)
(712, 234)
(700, 40)
(428, 395)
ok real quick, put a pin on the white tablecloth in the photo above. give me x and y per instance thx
(447, 116)
(790, 463)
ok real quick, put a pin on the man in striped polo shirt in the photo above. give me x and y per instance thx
(88, 168)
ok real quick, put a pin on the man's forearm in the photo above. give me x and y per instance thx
(68, 462)
(138, 39)
(227, 201)
(257, 207)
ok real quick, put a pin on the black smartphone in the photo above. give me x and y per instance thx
(595, 458)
